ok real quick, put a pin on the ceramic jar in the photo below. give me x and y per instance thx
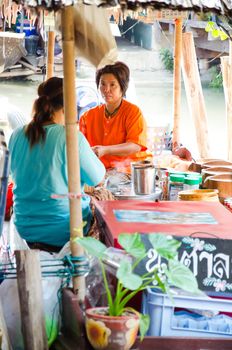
(111, 332)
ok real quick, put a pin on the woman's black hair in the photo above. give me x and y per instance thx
(50, 100)
(121, 72)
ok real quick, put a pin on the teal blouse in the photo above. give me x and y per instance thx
(41, 171)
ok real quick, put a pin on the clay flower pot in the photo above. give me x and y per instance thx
(111, 332)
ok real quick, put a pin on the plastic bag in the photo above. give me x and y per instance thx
(93, 38)
(11, 307)
(95, 292)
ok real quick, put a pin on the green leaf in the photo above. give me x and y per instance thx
(132, 244)
(182, 277)
(124, 269)
(128, 279)
(144, 322)
(165, 245)
(92, 246)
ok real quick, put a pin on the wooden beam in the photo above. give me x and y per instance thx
(194, 94)
(177, 82)
(226, 64)
(17, 73)
(28, 65)
(65, 342)
(30, 299)
(71, 127)
(216, 46)
(73, 320)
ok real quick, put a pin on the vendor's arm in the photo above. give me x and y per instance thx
(122, 149)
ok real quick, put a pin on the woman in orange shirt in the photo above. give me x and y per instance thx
(115, 130)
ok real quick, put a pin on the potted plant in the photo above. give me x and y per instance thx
(115, 327)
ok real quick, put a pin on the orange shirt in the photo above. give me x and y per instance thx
(128, 125)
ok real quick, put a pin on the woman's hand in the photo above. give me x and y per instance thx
(100, 151)
(182, 152)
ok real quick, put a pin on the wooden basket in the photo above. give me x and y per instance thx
(217, 170)
(222, 183)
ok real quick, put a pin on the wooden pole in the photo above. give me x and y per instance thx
(177, 82)
(50, 54)
(71, 126)
(194, 94)
(30, 299)
(226, 63)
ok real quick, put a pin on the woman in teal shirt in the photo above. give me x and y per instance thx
(39, 170)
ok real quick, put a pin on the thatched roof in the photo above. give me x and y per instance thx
(219, 6)
(223, 7)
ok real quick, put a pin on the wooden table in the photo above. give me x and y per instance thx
(197, 225)
(111, 227)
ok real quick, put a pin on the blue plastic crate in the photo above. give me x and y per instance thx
(165, 321)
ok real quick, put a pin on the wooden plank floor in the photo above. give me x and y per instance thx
(156, 343)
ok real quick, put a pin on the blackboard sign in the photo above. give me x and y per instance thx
(210, 260)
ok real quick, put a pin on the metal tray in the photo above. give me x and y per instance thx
(129, 194)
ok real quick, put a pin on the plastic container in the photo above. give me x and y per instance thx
(31, 44)
(166, 321)
(199, 195)
(162, 181)
(191, 183)
(176, 184)
(26, 27)
(195, 175)
(174, 172)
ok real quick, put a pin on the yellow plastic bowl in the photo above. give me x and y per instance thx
(199, 195)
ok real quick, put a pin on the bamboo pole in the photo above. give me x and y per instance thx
(227, 76)
(194, 94)
(177, 81)
(50, 54)
(71, 126)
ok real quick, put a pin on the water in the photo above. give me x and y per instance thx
(156, 102)
(153, 93)
(18, 93)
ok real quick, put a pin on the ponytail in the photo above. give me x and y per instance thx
(49, 101)
(42, 113)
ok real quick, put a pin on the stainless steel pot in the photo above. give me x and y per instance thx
(143, 177)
